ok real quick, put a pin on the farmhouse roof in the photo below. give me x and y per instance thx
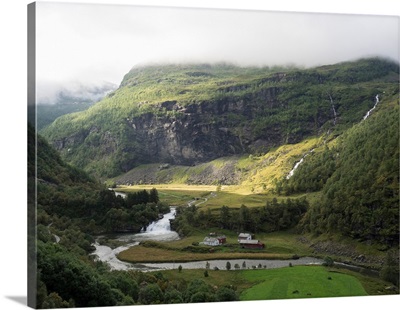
(210, 239)
(244, 235)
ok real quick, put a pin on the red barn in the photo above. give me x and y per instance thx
(251, 244)
(221, 239)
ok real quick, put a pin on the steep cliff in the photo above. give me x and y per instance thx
(190, 114)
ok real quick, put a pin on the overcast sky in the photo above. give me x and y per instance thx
(93, 43)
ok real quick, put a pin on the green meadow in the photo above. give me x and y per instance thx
(285, 283)
(300, 282)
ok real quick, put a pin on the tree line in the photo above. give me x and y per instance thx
(274, 216)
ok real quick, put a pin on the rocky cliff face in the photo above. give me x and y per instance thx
(201, 132)
(186, 140)
(184, 135)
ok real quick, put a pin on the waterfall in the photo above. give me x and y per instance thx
(294, 168)
(369, 112)
(159, 230)
(297, 164)
(54, 235)
(123, 195)
(162, 225)
(334, 110)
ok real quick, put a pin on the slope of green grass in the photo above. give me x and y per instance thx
(300, 282)
(253, 174)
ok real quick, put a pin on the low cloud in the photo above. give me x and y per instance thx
(71, 92)
(102, 42)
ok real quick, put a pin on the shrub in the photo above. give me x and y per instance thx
(328, 261)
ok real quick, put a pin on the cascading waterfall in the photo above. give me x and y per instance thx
(294, 168)
(334, 110)
(369, 112)
(54, 235)
(163, 225)
(297, 164)
(123, 195)
(159, 231)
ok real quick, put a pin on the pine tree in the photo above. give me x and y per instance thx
(153, 196)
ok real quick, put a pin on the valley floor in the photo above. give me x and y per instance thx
(286, 245)
(281, 244)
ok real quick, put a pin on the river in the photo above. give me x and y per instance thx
(161, 231)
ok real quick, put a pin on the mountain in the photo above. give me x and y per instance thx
(194, 113)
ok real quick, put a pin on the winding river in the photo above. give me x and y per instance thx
(161, 231)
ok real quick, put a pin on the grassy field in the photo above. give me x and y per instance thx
(142, 254)
(207, 195)
(280, 245)
(282, 283)
(274, 165)
(173, 194)
(300, 282)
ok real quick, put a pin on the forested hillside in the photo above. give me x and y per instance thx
(71, 207)
(191, 114)
(359, 178)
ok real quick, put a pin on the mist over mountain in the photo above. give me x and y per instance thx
(56, 99)
(72, 92)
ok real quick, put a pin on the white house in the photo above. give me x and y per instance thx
(244, 236)
(211, 241)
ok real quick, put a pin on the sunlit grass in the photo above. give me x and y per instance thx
(209, 196)
(274, 165)
(173, 194)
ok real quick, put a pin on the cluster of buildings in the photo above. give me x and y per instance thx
(245, 240)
